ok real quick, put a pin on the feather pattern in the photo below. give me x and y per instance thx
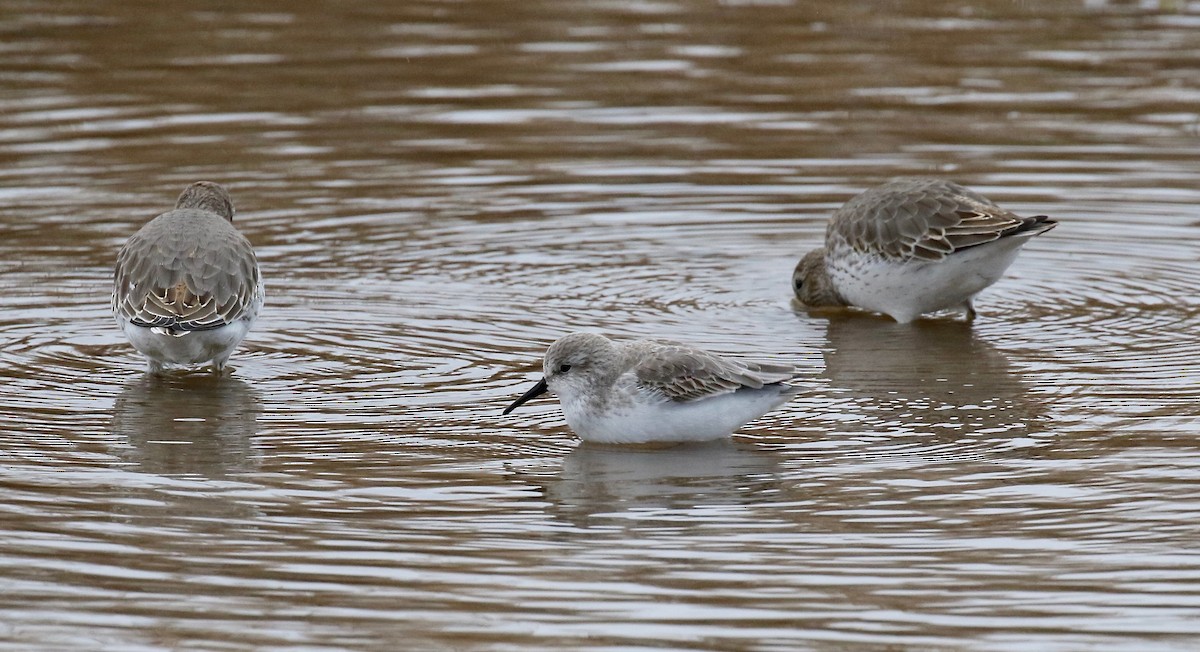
(682, 373)
(923, 220)
(186, 270)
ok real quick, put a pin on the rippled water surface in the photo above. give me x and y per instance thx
(439, 189)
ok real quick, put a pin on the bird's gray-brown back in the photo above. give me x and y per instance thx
(683, 373)
(188, 269)
(922, 219)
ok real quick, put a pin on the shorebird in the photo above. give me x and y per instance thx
(187, 287)
(648, 391)
(911, 247)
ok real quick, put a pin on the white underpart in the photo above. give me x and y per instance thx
(192, 347)
(907, 290)
(630, 416)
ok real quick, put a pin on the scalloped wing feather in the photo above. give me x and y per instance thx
(682, 373)
(186, 270)
(922, 219)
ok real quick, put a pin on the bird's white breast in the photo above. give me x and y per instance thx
(906, 290)
(639, 418)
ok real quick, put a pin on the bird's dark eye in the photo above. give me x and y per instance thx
(564, 368)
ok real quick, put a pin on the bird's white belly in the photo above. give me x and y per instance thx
(195, 347)
(638, 422)
(190, 348)
(907, 290)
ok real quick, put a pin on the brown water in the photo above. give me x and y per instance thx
(438, 189)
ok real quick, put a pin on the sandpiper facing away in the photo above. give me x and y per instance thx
(911, 247)
(187, 287)
(654, 392)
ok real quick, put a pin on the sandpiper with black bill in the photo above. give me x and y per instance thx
(647, 391)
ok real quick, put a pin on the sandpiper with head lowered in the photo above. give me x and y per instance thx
(648, 391)
(187, 287)
(911, 247)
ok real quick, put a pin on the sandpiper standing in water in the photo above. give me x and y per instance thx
(911, 247)
(187, 287)
(655, 392)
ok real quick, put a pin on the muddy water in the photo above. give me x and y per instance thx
(437, 190)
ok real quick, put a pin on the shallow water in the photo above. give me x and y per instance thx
(437, 190)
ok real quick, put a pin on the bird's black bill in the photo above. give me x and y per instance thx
(534, 392)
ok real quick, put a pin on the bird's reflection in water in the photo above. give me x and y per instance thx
(603, 480)
(197, 424)
(927, 376)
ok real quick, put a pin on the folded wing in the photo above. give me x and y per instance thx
(189, 280)
(682, 373)
(924, 219)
